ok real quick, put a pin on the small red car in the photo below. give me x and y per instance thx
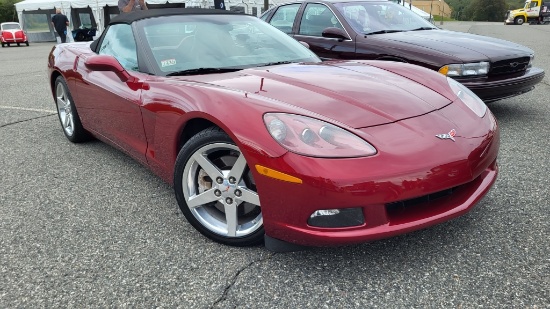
(11, 32)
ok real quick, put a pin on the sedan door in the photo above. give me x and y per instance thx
(315, 18)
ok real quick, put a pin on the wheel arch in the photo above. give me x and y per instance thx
(55, 74)
(191, 128)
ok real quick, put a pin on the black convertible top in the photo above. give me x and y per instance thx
(128, 18)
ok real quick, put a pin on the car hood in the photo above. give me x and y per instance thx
(353, 93)
(463, 46)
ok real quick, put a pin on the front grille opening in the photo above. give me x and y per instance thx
(419, 200)
(406, 211)
(509, 66)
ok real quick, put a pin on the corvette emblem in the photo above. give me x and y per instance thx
(450, 135)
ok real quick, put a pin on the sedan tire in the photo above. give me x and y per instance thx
(216, 191)
(68, 116)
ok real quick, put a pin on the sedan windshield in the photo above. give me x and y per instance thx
(382, 17)
(205, 44)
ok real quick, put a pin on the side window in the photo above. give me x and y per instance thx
(119, 42)
(283, 19)
(316, 18)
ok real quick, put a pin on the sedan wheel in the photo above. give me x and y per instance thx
(216, 191)
(68, 116)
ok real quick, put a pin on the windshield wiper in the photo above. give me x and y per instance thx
(384, 31)
(423, 28)
(199, 71)
(275, 63)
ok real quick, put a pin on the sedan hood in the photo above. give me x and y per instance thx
(462, 46)
(352, 93)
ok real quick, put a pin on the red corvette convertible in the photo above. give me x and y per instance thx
(264, 141)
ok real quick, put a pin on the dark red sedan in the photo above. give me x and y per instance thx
(262, 139)
(382, 30)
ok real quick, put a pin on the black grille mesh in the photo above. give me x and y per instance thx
(509, 66)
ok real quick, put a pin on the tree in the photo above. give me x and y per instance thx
(7, 10)
(483, 10)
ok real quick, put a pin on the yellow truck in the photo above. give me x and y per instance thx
(534, 12)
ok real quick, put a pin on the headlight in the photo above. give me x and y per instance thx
(315, 138)
(468, 97)
(530, 64)
(465, 69)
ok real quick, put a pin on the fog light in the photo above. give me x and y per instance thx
(344, 217)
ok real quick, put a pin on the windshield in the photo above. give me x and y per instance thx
(204, 43)
(11, 27)
(381, 17)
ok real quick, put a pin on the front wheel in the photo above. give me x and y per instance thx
(519, 20)
(68, 116)
(216, 191)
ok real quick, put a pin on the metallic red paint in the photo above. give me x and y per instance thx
(400, 116)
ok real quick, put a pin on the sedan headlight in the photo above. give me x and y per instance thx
(530, 64)
(465, 69)
(315, 138)
(469, 98)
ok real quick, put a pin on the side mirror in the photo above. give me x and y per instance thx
(107, 63)
(335, 33)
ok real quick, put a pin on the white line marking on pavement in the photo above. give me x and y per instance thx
(28, 109)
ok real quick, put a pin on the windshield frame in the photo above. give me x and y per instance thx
(206, 31)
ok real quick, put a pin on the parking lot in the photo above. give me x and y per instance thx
(85, 226)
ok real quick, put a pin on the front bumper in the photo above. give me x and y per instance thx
(497, 89)
(382, 186)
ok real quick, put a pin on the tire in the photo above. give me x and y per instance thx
(68, 116)
(80, 37)
(18, 44)
(27, 43)
(212, 180)
(3, 44)
(519, 20)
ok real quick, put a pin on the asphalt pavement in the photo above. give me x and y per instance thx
(85, 226)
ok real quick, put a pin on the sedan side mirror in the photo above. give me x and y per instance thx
(108, 63)
(335, 33)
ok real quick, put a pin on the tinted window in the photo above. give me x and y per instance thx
(119, 42)
(367, 17)
(283, 19)
(316, 18)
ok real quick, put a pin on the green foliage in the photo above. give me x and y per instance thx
(475, 10)
(493, 10)
(7, 10)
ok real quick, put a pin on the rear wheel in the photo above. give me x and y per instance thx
(27, 43)
(18, 44)
(519, 20)
(216, 191)
(3, 44)
(68, 116)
